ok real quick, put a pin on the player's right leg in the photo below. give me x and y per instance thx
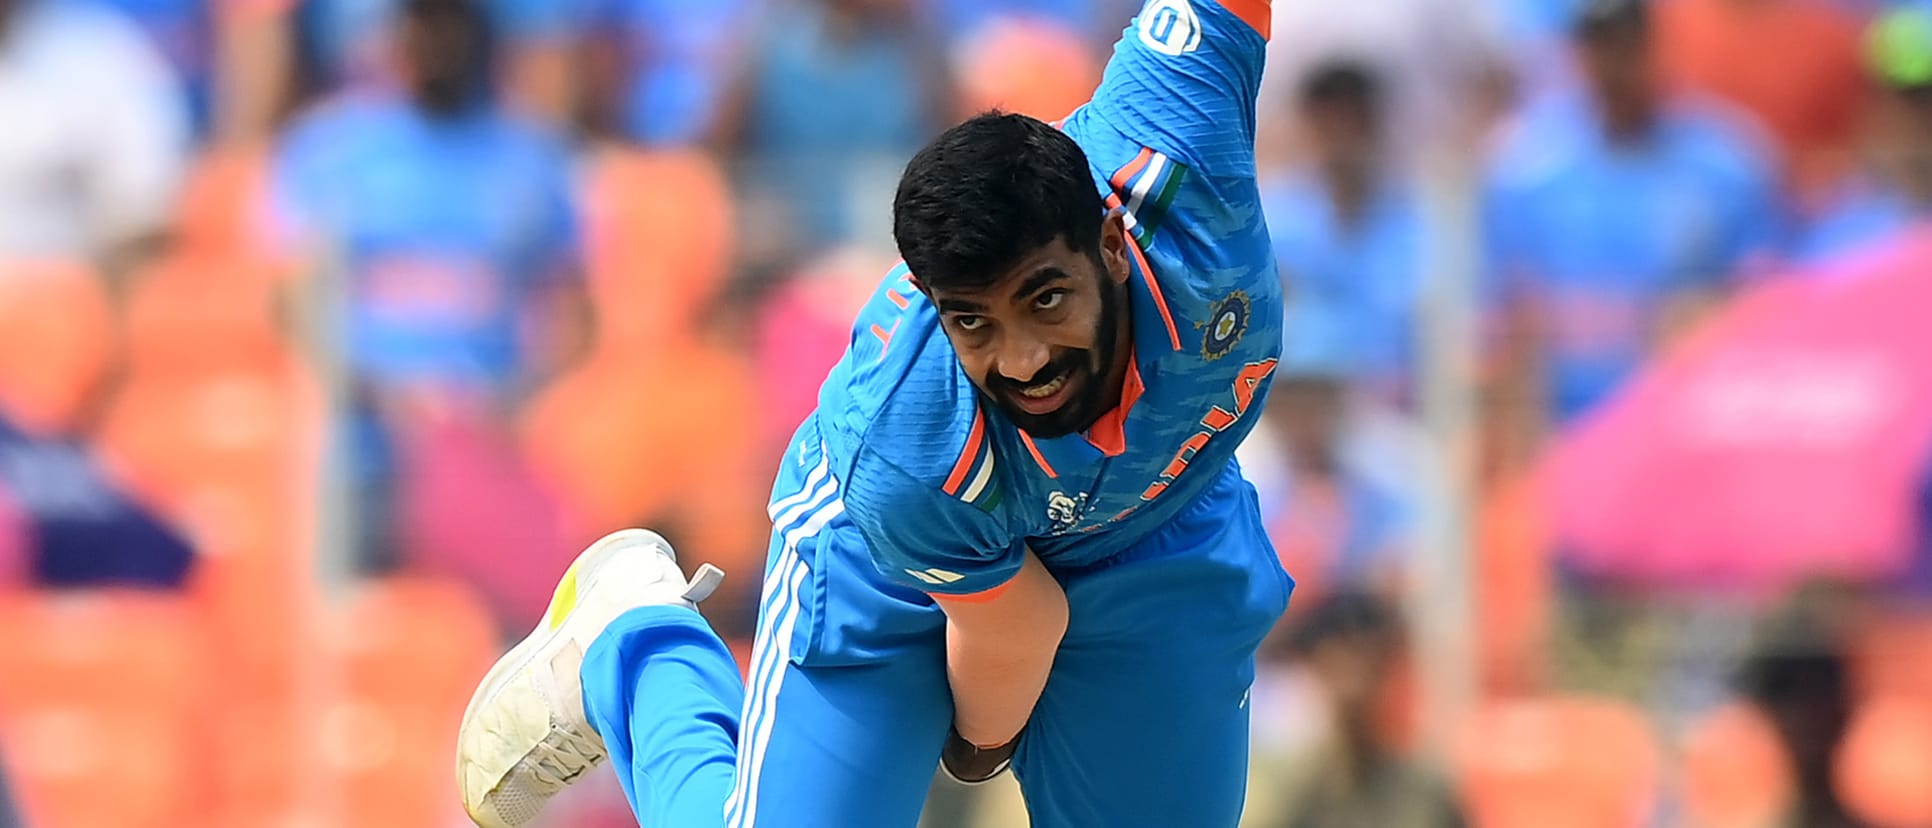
(623, 615)
(841, 724)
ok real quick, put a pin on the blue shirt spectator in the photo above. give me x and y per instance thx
(1365, 273)
(674, 58)
(444, 226)
(1608, 210)
(347, 43)
(835, 93)
(1347, 235)
(1334, 471)
(1598, 234)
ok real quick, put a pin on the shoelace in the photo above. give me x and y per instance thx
(561, 763)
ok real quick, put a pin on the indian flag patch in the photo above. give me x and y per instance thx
(1146, 188)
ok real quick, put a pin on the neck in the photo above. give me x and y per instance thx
(1628, 121)
(1349, 186)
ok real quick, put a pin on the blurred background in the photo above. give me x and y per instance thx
(330, 330)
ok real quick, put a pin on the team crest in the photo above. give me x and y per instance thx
(1226, 325)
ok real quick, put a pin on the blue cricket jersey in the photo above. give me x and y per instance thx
(947, 492)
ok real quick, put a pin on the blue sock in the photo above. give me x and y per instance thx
(664, 693)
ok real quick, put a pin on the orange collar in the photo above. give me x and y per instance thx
(1109, 433)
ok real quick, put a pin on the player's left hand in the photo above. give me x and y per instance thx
(969, 764)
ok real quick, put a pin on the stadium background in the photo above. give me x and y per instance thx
(1599, 448)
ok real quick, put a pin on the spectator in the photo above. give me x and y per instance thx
(1894, 189)
(660, 67)
(1615, 216)
(95, 140)
(349, 44)
(1334, 472)
(1793, 64)
(1347, 233)
(1352, 645)
(1437, 61)
(453, 229)
(1800, 676)
(836, 94)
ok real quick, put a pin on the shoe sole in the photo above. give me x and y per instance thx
(540, 645)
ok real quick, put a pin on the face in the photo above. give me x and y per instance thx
(1343, 132)
(1308, 414)
(1616, 59)
(441, 52)
(1046, 342)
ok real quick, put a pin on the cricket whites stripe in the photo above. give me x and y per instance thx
(772, 650)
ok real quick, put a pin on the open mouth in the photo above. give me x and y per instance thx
(1046, 397)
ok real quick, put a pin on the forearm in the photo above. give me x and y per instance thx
(998, 670)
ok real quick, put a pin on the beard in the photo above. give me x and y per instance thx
(1087, 368)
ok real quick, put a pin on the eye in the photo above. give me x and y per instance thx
(1050, 299)
(969, 323)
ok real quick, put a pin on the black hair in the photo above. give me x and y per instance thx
(1345, 81)
(987, 192)
(1346, 614)
(1599, 18)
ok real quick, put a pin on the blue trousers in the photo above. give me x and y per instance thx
(1143, 722)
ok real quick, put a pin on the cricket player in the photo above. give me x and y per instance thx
(1013, 527)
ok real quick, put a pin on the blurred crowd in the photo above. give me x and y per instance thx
(331, 329)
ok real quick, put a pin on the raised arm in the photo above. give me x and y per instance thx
(1183, 81)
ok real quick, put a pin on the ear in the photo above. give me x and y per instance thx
(1113, 246)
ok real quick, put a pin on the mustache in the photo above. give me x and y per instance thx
(1065, 364)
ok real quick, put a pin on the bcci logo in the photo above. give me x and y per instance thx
(1226, 324)
(1064, 511)
(1170, 27)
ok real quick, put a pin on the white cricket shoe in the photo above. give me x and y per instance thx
(525, 736)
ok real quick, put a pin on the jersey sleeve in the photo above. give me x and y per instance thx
(925, 538)
(1183, 81)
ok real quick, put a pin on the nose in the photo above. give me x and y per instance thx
(1022, 358)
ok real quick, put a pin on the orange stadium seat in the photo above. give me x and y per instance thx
(1029, 66)
(1891, 654)
(228, 448)
(1570, 761)
(221, 205)
(198, 313)
(630, 442)
(57, 331)
(403, 656)
(1883, 769)
(1736, 773)
(654, 263)
(102, 700)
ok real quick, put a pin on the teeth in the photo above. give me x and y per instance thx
(1040, 392)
